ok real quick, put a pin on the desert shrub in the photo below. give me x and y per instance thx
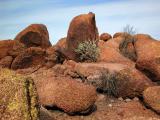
(87, 51)
(109, 83)
(128, 38)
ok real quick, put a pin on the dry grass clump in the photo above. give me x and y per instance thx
(109, 83)
(88, 51)
(128, 38)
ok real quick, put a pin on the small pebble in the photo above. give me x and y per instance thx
(110, 105)
(100, 97)
(128, 100)
(112, 101)
(136, 99)
(120, 99)
(82, 117)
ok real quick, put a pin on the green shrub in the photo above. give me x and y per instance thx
(109, 83)
(87, 51)
(127, 39)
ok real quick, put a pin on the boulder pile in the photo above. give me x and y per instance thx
(39, 78)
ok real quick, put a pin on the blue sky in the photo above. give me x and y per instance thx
(111, 15)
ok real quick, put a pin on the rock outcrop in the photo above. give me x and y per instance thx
(109, 52)
(65, 93)
(148, 56)
(35, 35)
(152, 98)
(18, 97)
(105, 36)
(5, 47)
(6, 62)
(129, 81)
(31, 57)
(82, 28)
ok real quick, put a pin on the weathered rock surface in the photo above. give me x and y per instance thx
(148, 56)
(106, 110)
(31, 57)
(5, 47)
(61, 43)
(82, 28)
(17, 49)
(109, 52)
(152, 98)
(6, 62)
(130, 82)
(51, 57)
(120, 34)
(35, 35)
(18, 97)
(63, 92)
(105, 36)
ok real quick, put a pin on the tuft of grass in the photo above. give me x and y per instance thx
(128, 38)
(109, 83)
(88, 51)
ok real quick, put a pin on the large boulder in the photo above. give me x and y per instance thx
(17, 48)
(63, 92)
(35, 35)
(108, 109)
(82, 28)
(128, 81)
(5, 47)
(18, 97)
(52, 57)
(31, 57)
(148, 56)
(105, 36)
(6, 62)
(109, 52)
(152, 98)
(61, 43)
(120, 34)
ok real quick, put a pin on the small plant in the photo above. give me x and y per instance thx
(109, 83)
(128, 38)
(88, 51)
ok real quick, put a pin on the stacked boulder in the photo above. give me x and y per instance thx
(71, 86)
(28, 49)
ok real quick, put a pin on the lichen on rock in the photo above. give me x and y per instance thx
(18, 97)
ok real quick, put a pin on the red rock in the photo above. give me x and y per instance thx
(109, 52)
(148, 56)
(120, 110)
(130, 82)
(119, 34)
(64, 92)
(6, 62)
(5, 47)
(51, 57)
(31, 57)
(82, 28)
(105, 36)
(61, 43)
(17, 49)
(152, 98)
(35, 35)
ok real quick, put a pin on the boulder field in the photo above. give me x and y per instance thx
(40, 81)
